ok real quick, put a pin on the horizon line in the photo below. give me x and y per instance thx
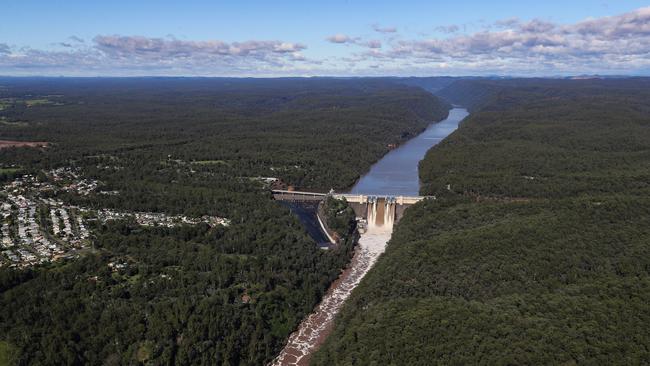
(504, 76)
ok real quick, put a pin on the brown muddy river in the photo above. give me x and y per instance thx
(314, 329)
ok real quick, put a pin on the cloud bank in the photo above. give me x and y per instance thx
(612, 43)
(160, 48)
(115, 54)
(615, 44)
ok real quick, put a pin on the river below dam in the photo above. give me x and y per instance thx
(396, 174)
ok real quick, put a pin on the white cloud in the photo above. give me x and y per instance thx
(373, 43)
(448, 28)
(76, 39)
(339, 38)
(345, 39)
(381, 29)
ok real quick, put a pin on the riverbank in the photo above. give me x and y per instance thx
(313, 331)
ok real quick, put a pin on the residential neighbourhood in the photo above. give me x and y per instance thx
(159, 219)
(36, 228)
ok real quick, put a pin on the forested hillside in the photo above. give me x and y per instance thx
(536, 250)
(193, 294)
(312, 133)
(431, 84)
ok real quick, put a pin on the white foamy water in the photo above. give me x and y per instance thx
(312, 331)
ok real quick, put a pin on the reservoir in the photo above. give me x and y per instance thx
(396, 174)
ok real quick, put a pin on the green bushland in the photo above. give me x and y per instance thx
(340, 217)
(9, 174)
(208, 162)
(35, 102)
(191, 295)
(311, 133)
(539, 252)
(6, 354)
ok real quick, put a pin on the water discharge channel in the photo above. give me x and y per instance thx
(396, 174)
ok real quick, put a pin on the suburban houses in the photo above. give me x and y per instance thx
(36, 228)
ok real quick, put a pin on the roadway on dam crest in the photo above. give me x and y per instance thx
(396, 174)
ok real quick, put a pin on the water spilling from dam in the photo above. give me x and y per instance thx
(380, 194)
(381, 213)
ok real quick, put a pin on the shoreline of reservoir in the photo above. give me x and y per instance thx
(396, 173)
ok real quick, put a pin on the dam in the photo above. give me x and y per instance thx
(380, 198)
(375, 210)
(380, 211)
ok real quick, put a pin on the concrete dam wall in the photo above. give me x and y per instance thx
(377, 211)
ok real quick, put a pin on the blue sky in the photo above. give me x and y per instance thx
(278, 38)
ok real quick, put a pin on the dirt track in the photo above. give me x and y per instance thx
(4, 144)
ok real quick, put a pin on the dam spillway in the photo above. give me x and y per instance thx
(380, 211)
(376, 210)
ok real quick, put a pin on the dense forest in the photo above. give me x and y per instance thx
(192, 294)
(339, 216)
(315, 133)
(536, 249)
